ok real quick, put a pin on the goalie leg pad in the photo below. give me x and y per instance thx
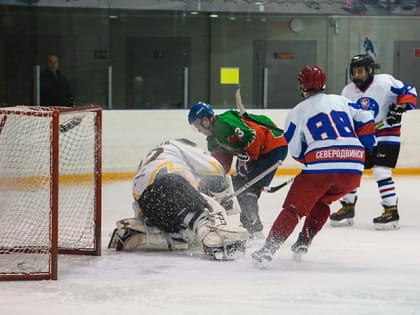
(227, 253)
(133, 234)
(219, 240)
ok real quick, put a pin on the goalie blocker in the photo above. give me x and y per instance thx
(175, 216)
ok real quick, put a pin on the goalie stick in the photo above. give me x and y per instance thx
(241, 107)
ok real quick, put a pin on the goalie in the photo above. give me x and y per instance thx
(175, 205)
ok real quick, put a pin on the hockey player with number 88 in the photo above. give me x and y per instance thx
(329, 136)
(173, 207)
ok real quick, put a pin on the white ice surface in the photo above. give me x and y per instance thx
(351, 270)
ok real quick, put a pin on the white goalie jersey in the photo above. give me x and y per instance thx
(182, 157)
(176, 191)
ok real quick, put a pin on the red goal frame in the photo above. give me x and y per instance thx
(55, 249)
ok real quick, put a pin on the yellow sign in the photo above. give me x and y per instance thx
(229, 75)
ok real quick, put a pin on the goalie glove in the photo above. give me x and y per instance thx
(394, 114)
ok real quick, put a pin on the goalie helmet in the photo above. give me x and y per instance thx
(312, 78)
(200, 110)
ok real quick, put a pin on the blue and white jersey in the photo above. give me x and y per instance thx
(328, 134)
(383, 91)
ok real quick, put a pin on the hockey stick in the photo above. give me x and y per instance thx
(3, 122)
(241, 107)
(239, 104)
(252, 182)
(272, 189)
(379, 125)
(70, 124)
(64, 127)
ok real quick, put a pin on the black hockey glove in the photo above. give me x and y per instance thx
(394, 114)
(370, 158)
(242, 167)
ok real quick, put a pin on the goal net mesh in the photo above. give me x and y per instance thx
(34, 191)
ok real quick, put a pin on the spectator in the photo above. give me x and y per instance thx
(55, 88)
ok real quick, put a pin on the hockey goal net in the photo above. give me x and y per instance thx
(50, 188)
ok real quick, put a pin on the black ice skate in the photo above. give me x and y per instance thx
(262, 257)
(344, 216)
(255, 229)
(300, 247)
(388, 220)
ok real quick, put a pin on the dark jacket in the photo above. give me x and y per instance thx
(55, 89)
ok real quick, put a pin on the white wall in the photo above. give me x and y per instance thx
(130, 134)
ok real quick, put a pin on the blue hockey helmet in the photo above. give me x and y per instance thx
(200, 110)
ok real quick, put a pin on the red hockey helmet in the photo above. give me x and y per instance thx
(312, 77)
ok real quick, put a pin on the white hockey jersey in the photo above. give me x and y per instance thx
(175, 156)
(323, 133)
(383, 91)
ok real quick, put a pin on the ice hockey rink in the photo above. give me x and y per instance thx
(351, 270)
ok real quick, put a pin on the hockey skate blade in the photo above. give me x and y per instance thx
(344, 222)
(261, 262)
(390, 226)
(297, 257)
(299, 252)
